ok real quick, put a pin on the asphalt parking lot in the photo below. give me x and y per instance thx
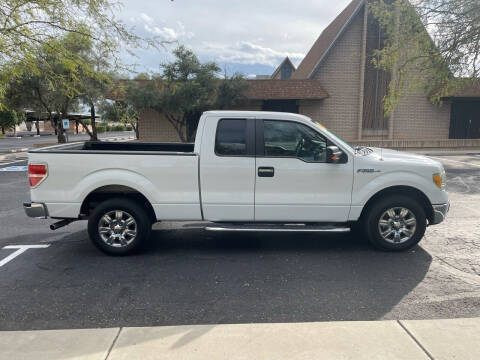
(190, 276)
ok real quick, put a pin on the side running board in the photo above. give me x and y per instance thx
(279, 228)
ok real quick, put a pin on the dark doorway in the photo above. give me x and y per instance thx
(465, 120)
(290, 106)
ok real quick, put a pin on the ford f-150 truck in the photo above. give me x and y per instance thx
(247, 171)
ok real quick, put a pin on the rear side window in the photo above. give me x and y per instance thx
(231, 137)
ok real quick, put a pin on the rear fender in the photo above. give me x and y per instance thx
(108, 177)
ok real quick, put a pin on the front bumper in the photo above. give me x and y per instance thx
(440, 213)
(35, 210)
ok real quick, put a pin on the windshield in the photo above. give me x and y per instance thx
(334, 137)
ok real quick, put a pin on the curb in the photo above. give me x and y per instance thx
(12, 156)
(18, 150)
(130, 138)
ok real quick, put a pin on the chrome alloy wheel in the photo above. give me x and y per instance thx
(397, 225)
(117, 228)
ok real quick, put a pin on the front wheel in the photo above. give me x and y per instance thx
(119, 226)
(395, 223)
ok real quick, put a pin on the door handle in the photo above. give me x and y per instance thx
(266, 171)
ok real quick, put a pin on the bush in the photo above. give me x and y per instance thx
(101, 129)
(129, 127)
(119, 128)
(109, 128)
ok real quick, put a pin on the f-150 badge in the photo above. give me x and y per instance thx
(367, 171)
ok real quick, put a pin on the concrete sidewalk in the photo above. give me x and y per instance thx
(411, 339)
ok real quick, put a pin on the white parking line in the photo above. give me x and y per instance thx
(455, 161)
(20, 250)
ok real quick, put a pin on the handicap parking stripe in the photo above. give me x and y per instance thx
(14, 168)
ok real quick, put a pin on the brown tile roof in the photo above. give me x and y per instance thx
(462, 88)
(271, 89)
(326, 40)
(470, 90)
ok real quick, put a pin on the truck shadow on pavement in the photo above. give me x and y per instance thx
(198, 277)
(289, 277)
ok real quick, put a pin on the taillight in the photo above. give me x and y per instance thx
(37, 173)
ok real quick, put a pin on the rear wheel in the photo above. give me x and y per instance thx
(119, 226)
(395, 223)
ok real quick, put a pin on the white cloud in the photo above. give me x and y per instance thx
(169, 33)
(245, 52)
(147, 19)
(238, 32)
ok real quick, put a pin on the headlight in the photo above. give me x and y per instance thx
(440, 179)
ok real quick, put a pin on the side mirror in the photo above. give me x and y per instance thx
(334, 154)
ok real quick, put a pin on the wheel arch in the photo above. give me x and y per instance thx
(405, 190)
(107, 192)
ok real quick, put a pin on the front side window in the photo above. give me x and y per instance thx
(231, 137)
(289, 139)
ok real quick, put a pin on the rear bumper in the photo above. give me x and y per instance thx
(440, 212)
(35, 210)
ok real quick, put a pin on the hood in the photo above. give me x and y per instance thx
(406, 158)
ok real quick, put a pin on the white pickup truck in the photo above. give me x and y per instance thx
(247, 171)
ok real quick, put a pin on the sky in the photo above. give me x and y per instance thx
(246, 36)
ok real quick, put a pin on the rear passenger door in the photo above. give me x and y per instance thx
(227, 169)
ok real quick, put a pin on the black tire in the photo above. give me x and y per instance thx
(357, 229)
(143, 226)
(375, 212)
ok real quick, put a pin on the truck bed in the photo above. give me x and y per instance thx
(115, 147)
(166, 174)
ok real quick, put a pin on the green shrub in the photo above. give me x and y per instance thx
(119, 128)
(129, 127)
(101, 129)
(109, 128)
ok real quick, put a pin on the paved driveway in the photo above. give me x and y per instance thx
(190, 276)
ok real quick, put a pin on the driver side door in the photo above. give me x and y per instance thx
(294, 182)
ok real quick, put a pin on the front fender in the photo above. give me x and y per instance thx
(365, 187)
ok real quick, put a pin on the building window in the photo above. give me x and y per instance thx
(290, 106)
(286, 71)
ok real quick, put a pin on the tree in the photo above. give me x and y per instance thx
(433, 45)
(185, 90)
(8, 119)
(26, 26)
(94, 86)
(19, 119)
(122, 112)
(56, 98)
